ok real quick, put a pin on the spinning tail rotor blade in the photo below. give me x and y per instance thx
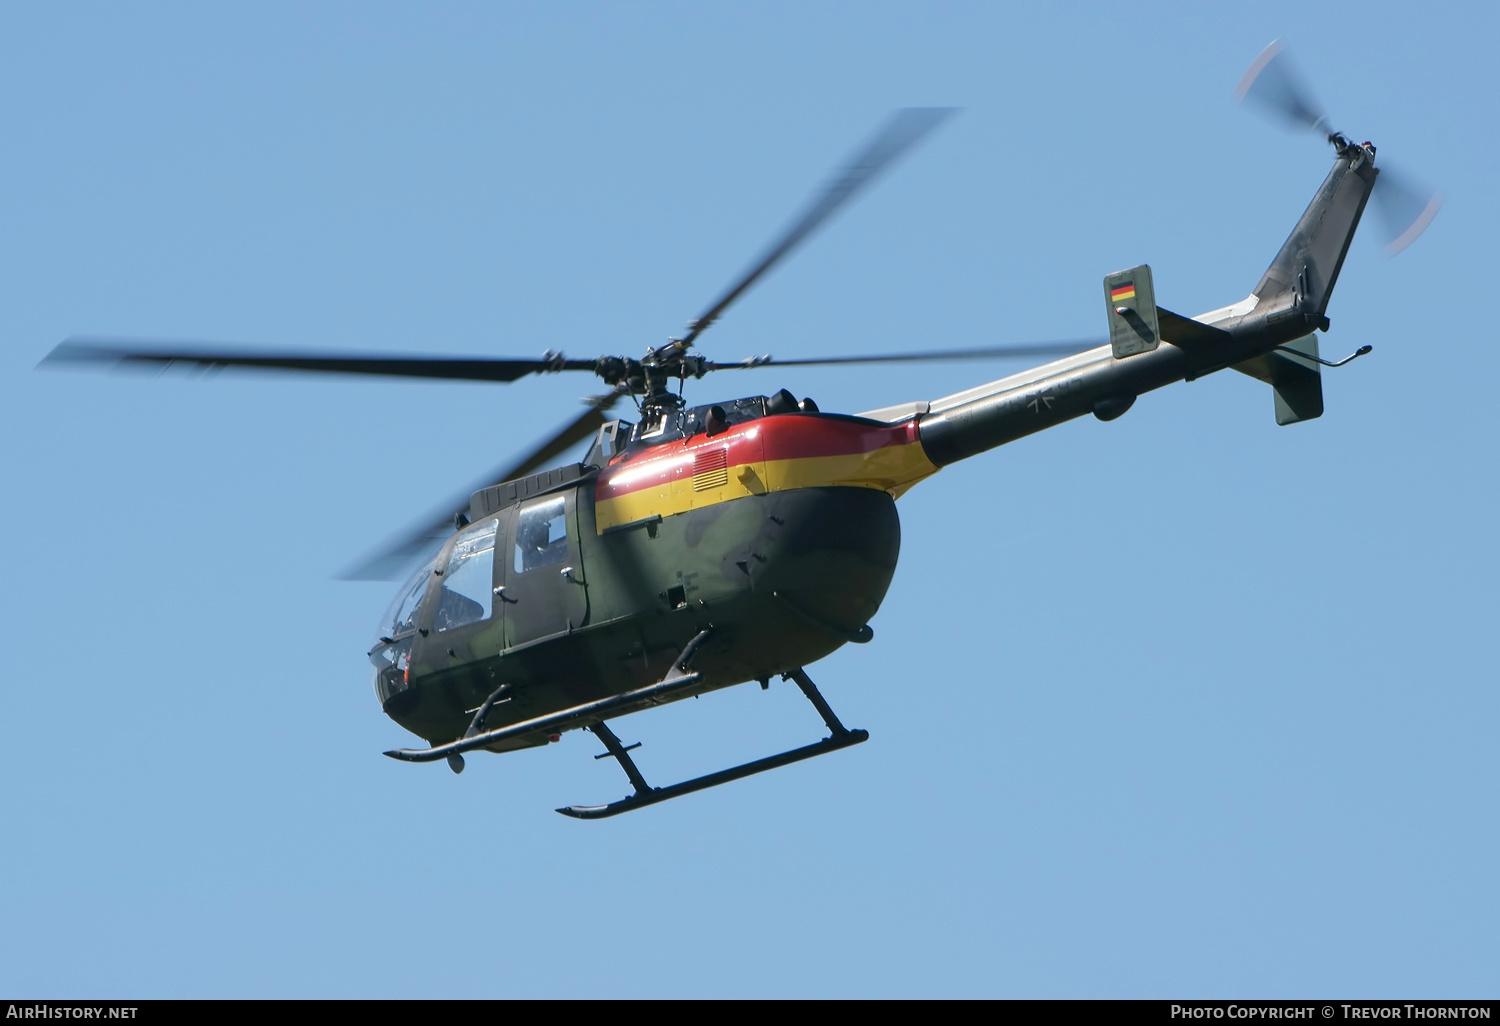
(1405, 207)
(142, 353)
(903, 131)
(403, 550)
(1272, 83)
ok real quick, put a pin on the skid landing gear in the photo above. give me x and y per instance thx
(839, 737)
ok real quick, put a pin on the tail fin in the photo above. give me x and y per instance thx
(1293, 294)
(1302, 276)
(1292, 372)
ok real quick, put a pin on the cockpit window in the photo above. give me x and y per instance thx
(401, 617)
(468, 589)
(542, 534)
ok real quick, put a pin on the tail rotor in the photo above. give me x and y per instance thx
(1272, 84)
(1404, 206)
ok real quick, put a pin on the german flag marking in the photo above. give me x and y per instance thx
(1119, 292)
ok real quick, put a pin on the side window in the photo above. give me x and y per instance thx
(542, 534)
(467, 594)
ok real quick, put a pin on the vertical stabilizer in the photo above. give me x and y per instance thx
(1130, 302)
(1293, 373)
(1302, 276)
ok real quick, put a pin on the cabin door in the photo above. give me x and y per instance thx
(545, 590)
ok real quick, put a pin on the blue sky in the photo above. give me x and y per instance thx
(1183, 705)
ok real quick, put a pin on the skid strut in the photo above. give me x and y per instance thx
(839, 737)
(476, 725)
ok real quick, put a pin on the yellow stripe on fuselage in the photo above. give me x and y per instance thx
(892, 468)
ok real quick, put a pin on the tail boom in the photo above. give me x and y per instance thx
(1287, 305)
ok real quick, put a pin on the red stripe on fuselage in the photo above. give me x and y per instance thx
(791, 437)
(780, 437)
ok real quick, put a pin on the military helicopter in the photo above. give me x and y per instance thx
(701, 547)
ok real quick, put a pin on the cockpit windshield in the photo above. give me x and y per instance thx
(401, 617)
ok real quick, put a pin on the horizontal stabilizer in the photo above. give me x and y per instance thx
(1188, 334)
(1296, 381)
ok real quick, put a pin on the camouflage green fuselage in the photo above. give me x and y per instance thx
(783, 579)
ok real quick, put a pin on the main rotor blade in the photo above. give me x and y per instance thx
(1272, 83)
(402, 550)
(980, 353)
(453, 368)
(901, 132)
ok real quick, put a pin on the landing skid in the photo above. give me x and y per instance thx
(645, 794)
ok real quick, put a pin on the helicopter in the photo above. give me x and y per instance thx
(701, 547)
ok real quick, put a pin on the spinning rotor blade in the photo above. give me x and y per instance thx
(901, 132)
(401, 551)
(453, 368)
(1272, 83)
(980, 353)
(1405, 207)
